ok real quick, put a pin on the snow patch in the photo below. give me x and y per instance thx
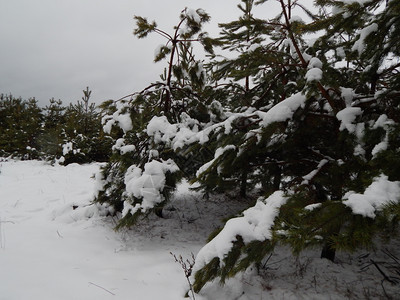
(315, 63)
(312, 174)
(359, 45)
(347, 116)
(380, 193)
(314, 74)
(218, 153)
(147, 185)
(283, 110)
(255, 224)
(348, 95)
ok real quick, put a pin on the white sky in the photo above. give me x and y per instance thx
(55, 48)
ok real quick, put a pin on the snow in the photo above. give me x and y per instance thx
(160, 129)
(253, 47)
(348, 95)
(359, 150)
(55, 245)
(147, 185)
(127, 148)
(124, 121)
(380, 193)
(340, 52)
(311, 207)
(314, 74)
(218, 153)
(118, 144)
(187, 132)
(192, 14)
(49, 250)
(120, 118)
(359, 45)
(382, 121)
(315, 63)
(347, 116)
(294, 19)
(382, 146)
(255, 224)
(284, 110)
(108, 123)
(67, 147)
(311, 175)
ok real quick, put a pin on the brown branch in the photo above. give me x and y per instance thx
(335, 106)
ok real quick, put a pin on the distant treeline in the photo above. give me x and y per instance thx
(67, 134)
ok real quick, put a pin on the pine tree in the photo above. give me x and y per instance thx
(143, 169)
(84, 140)
(329, 142)
(312, 129)
(20, 123)
(52, 136)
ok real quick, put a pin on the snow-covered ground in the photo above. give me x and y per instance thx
(55, 245)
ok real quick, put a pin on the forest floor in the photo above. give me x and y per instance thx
(55, 245)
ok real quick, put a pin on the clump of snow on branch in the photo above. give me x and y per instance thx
(315, 63)
(295, 19)
(255, 224)
(122, 147)
(347, 116)
(307, 178)
(174, 135)
(192, 14)
(67, 147)
(359, 45)
(284, 110)
(313, 206)
(382, 146)
(348, 95)
(120, 118)
(187, 131)
(161, 130)
(384, 122)
(380, 193)
(218, 153)
(146, 184)
(314, 74)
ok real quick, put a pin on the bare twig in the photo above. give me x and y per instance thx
(390, 279)
(267, 260)
(187, 267)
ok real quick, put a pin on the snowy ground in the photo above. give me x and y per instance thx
(55, 245)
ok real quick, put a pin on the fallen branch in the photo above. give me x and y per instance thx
(102, 288)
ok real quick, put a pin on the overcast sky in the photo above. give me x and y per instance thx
(55, 48)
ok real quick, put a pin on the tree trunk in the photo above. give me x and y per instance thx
(328, 252)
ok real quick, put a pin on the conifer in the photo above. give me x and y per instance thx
(330, 150)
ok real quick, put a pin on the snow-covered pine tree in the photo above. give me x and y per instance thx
(313, 126)
(84, 139)
(261, 73)
(335, 141)
(52, 137)
(20, 124)
(144, 167)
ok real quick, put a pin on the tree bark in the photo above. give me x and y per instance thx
(328, 252)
